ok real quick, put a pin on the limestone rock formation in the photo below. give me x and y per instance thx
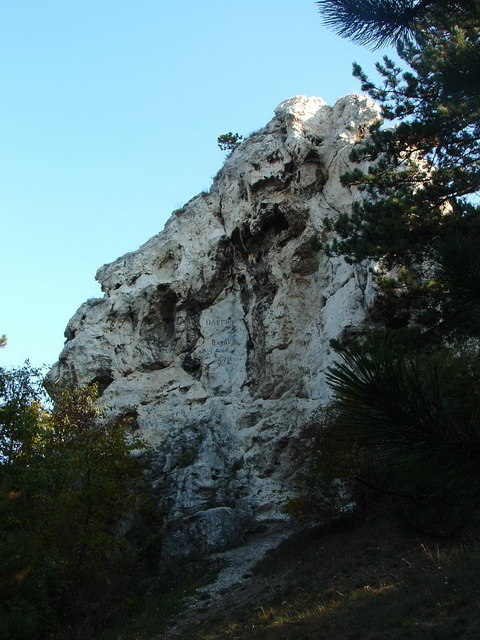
(214, 335)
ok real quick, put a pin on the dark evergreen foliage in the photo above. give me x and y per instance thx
(373, 22)
(409, 414)
(229, 141)
(417, 417)
(421, 178)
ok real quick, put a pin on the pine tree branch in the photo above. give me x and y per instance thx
(372, 22)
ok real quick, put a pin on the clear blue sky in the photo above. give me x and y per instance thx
(109, 114)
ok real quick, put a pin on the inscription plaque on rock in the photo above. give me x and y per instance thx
(220, 341)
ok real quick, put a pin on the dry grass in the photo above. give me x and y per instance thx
(366, 582)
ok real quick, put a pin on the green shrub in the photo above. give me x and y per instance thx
(68, 480)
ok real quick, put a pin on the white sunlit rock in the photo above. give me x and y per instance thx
(215, 333)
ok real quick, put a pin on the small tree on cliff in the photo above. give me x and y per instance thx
(229, 141)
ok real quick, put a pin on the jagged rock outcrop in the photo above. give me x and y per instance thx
(214, 335)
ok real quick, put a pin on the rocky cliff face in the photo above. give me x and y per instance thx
(214, 335)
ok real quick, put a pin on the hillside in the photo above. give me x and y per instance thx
(363, 582)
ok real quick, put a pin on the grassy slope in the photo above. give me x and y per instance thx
(362, 583)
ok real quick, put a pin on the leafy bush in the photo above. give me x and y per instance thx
(68, 480)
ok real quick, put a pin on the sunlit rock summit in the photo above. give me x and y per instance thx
(214, 336)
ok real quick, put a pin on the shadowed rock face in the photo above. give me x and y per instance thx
(215, 333)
